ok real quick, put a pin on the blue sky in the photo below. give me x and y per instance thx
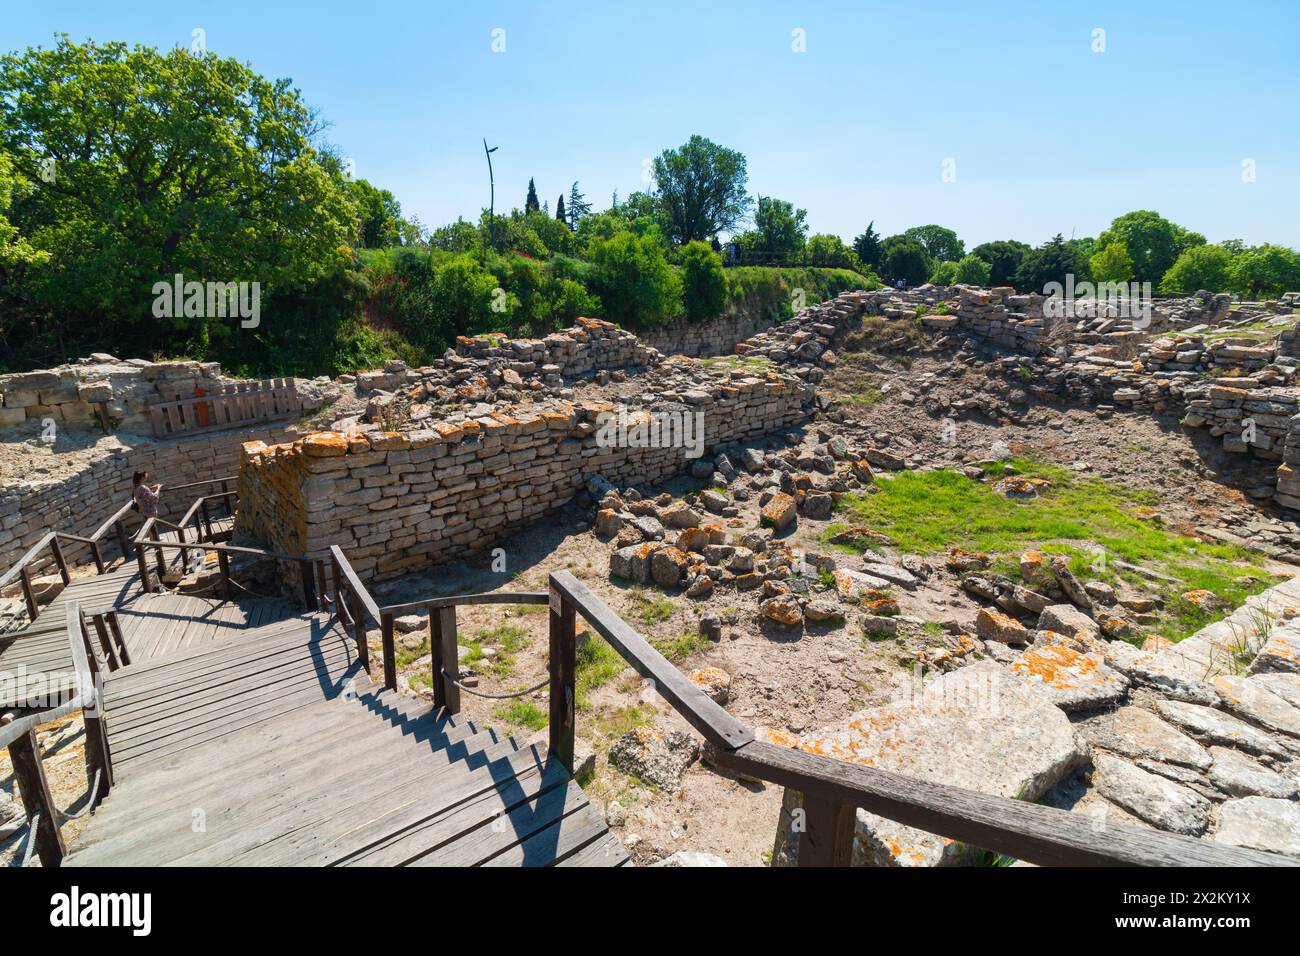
(1047, 136)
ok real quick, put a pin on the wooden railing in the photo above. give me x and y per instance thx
(833, 790)
(311, 572)
(54, 540)
(18, 734)
(226, 406)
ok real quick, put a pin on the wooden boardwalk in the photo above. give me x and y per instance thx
(272, 747)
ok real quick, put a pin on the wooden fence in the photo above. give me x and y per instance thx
(225, 406)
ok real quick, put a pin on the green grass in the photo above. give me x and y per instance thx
(928, 512)
(677, 649)
(508, 640)
(650, 608)
(596, 665)
(867, 394)
(522, 713)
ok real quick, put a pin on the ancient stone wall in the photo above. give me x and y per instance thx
(716, 337)
(399, 501)
(79, 503)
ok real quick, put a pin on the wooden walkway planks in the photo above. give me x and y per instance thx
(274, 740)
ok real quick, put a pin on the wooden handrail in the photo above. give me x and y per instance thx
(834, 789)
(457, 600)
(19, 736)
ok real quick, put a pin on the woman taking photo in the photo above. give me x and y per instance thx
(146, 497)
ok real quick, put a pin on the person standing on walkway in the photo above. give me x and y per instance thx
(146, 497)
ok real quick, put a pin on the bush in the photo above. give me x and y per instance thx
(945, 273)
(634, 281)
(972, 270)
(704, 284)
(1197, 268)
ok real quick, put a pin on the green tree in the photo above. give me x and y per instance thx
(1198, 268)
(1152, 241)
(939, 243)
(381, 215)
(972, 270)
(15, 251)
(1111, 263)
(907, 259)
(634, 280)
(1004, 257)
(1051, 262)
(700, 189)
(780, 230)
(829, 252)
(531, 203)
(704, 284)
(870, 252)
(945, 273)
(1263, 271)
(577, 207)
(559, 210)
(162, 163)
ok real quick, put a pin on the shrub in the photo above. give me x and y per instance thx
(634, 281)
(704, 284)
(972, 270)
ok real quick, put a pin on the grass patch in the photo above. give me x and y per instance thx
(508, 639)
(650, 608)
(522, 713)
(596, 664)
(1090, 521)
(677, 649)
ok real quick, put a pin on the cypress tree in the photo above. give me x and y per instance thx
(559, 209)
(531, 204)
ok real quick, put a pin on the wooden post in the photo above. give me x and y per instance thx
(223, 563)
(338, 586)
(207, 519)
(827, 838)
(359, 622)
(390, 652)
(29, 593)
(98, 555)
(122, 541)
(162, 564)
(60, 560)
(25, 754)
(101, 631)
(308, 585)
(563, 666)
(322, 586)
(115, 628)
(145, 581)
(446, 662)
(97, 757)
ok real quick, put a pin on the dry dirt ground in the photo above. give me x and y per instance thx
(63, 753)
(807, 679)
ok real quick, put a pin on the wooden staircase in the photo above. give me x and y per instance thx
(273, 748)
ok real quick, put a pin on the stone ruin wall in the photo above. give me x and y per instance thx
(79, 503)
(399, 501)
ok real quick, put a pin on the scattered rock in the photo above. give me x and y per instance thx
(659, 759)
(1239, 776)
(1260, 823)
(1157, 800)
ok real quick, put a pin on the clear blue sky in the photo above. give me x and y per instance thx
(1046, 135)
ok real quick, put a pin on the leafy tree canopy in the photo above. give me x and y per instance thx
(1004, 258)
(701, 189)
(1111, 263)
(155, 164)
(1198, 268)
(938, 242)
(1152, 241)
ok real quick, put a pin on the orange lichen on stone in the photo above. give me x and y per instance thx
(1057, 666)
(325, 445)
(448, 431)
(389, 441)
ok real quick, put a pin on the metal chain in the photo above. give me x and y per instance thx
(94, 792)
(479, 693)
